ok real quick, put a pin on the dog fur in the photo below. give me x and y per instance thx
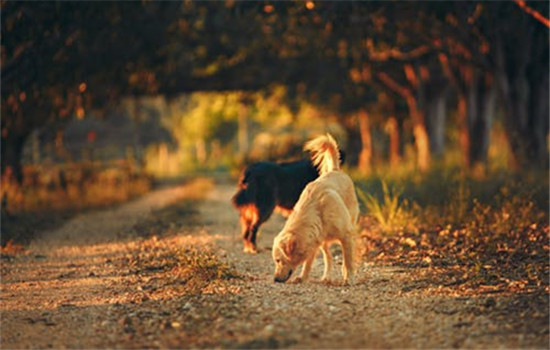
(265, 187)
(326, 212)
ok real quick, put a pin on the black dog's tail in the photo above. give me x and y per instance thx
(241, 198)
(246, 193)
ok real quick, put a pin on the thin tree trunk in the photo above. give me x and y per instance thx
(392, 128)
(243, 131)
(12, 152)
(436, 116)
(522, 71)
(481, 127)
(421, 138)
(365, 157)
(200, 148)
(540, 109)
(464, 133)
(481, 101)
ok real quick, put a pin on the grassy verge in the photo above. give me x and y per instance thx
(49, 195)
(475, 236)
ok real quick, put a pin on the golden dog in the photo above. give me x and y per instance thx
(326, 212)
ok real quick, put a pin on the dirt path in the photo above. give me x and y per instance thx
(96, 283)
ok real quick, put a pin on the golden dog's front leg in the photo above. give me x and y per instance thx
(306, 269)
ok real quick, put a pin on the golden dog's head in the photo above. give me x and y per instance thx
(285, 256)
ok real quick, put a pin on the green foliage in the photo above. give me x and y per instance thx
(207, 128)
(62, 59)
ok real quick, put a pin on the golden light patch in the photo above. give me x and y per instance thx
(283, 211)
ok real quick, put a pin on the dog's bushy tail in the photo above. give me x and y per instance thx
(325, 154)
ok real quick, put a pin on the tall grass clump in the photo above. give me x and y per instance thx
(459, 203)
(390, 213)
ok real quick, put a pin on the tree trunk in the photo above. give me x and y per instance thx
(200, 148)
(464, 133)
(12, 152)
(392, 128)
(421, 138)
(539, 110)
(163, 160)
(481, 106)
(517, 120)
(436, 113)
(522, 73)
(365, 157)
(243, 131)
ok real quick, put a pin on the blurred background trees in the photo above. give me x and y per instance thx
(213, 84)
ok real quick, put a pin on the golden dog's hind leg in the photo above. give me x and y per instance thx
(348, 267)
(327, 258)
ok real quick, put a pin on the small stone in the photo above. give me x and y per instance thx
(269, 329)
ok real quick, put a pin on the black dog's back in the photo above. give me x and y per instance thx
(280, 183)
(292, 179)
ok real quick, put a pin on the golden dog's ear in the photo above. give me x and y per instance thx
(290, 247)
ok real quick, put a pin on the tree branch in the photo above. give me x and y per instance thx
(536, 14)
(394, 86)
(396, 54)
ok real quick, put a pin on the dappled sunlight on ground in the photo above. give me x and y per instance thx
(173, 275)
(99, 269)
(93, 259)
(110, 226)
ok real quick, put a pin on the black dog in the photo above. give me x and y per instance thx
(264, 186)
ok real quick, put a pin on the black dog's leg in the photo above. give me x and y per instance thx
(252, 238)
(264, 214)
(249, 219)
(245, 229)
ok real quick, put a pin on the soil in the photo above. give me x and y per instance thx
(119, 278)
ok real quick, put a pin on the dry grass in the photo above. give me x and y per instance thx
(474, 236)
(75, 186)
(50, 195)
